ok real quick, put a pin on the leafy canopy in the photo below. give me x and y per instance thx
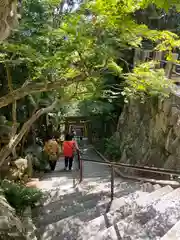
(57, 41)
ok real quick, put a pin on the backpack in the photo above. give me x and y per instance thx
(52, 149)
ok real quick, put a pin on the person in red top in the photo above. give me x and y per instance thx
(69, 148)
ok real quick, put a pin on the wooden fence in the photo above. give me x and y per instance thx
(172, 68)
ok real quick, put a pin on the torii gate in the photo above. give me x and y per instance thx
(82, 126)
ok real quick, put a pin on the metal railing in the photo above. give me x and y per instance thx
(114, 165)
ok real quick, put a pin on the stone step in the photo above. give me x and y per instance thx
(131, 207)
(59, 195)
(151, 222)
(168, 200)
(71, 200)
(85, 188)
(51, 184)
(154, 196)
(97, 184)
(55, 195)
(79, 220)
(173, 233)
(78, 197)
(167, 215)
(156, 187)
(67, 211)
(133, 231)
(55, 183)
(69, 227)
(119, 209)
(149, 187)
(122, 211)
(58, 215)
(107, 234)
(65, 194)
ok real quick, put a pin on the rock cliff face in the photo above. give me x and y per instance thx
(10, 225)
(150, 133)
(13, 227)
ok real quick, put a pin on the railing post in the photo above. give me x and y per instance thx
(112, 183)
(80, 169)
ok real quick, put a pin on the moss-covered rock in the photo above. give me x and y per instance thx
(11, 227)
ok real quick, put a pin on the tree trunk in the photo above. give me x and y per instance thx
(14, 141)
(26, 134)
(14, 106)
(35, 87)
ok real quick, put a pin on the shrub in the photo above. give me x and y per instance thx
(146, 80)
(20, 196)
(112, 148)
(100, 145)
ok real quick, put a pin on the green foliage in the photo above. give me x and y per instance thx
(92, 107)
(43, 162)
(112, 148)
(20, 196)
(53, 43)
(114, 68)
(58, 41)
(100, 145)
(146, 81)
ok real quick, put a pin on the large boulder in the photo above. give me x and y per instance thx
(21, 169)
(11, 227)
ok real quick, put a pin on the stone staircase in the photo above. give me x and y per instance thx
(139, 211)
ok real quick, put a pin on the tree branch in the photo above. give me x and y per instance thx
(14, 141)
(114, 87)
(83, 62)
(35, 87)
(34, 110)
(127, 65)
(14, 104)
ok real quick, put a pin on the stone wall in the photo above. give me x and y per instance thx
(149, 133)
